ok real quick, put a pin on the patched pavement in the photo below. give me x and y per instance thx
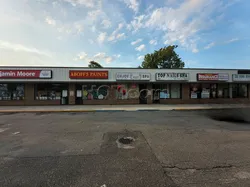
(183, 149)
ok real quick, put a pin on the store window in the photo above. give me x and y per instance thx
(223, 91)
(203, 91)
(167, 91)
(92, 91)
(11, 91)
(49, 91)
(127, 91)
(240, 90)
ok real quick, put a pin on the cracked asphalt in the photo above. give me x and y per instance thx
(171, 148)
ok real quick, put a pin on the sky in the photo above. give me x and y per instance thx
(118, 33)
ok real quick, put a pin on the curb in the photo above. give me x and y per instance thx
(118, 110)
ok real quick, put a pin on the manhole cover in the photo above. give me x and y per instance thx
(126, 140)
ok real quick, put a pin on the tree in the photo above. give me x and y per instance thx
(93, 64)
(165, 58)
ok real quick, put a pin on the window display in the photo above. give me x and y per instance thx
(92, 91)
(12, 91)
(127, 91)
(240, 90)
(48, 91)
(167, 91)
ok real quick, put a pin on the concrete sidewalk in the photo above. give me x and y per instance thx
(116, 108)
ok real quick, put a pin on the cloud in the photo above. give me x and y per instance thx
(86, 3)
(101, 38)
(103, 57)
(209, 45)
(184, 22)
(121, 36)
(115, 35)
(50, 21)
(117, 56)
(232, 40)
(140, 48)
(137, 23)
(99, 57)
(153, 42)
(106, 24)
(140, 57)
(81, 56)
(132, 4)
(22, 48)
(136, 41)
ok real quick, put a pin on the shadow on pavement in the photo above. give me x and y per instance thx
(234, 115)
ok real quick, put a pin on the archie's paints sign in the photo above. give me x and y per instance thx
(25, 74)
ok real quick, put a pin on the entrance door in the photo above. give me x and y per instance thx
(65, 97)
(143, 93)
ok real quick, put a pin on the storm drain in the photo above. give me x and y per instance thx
(126, 140)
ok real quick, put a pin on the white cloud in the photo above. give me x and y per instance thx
(153, 42)
(132, 4)
(82, 56)
(137, 23)
(140, 48)
(117, 56)
(101, 38)
(103, 57)
(195, 50)
(86, 3)
(209, 45)
(184, 22)
(50, 21)
(140, 57)
(106, 24)
(22, 48)
(136, 41)
(120, 36)
(232, 40)
(115, 35)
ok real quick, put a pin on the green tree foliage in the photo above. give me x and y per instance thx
(93, 64)
(163, 58)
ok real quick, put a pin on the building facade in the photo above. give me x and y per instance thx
(83, 86)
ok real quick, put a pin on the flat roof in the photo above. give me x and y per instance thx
(116, 68)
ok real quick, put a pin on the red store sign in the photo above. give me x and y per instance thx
(212, 77)
(25, 74)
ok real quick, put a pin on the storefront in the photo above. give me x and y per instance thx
(168, 87)
(84, 86)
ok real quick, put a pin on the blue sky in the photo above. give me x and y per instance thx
(118, 33)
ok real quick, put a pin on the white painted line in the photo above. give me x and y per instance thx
(3, 129)
(15, 133)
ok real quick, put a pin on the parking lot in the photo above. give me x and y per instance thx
(169, 148)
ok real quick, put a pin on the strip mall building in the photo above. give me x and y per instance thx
(82, 86)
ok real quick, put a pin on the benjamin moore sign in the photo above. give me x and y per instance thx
(133, 76)
(241, 77)
(25, 74)
(172, 76)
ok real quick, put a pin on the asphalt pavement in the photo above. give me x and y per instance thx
(167, 148)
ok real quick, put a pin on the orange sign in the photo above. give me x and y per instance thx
(74, 74)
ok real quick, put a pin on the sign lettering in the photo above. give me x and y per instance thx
(133, 76)
(75, 74)
(25, 74)
(241, 77)
(212, 77)
(172, 76)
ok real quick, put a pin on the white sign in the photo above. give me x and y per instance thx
(79, 93)
(241, 77)
(133, 76)
(172, 76)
